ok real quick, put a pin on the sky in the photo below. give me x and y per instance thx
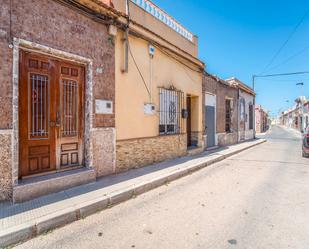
(240, 38)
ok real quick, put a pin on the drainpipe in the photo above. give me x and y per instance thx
(126, 40)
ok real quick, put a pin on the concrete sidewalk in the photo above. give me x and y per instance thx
(23, 221)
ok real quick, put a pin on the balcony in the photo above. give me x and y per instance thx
(154, 19)
(163, 17)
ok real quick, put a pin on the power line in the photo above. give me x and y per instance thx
(289, 58)
(286, 42)
(280, 74)
(139, 71)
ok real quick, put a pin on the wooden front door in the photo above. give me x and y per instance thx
(50, 114)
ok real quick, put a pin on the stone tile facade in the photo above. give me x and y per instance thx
(55, 26)
(135, 153)
(104, 146)
(5, 165)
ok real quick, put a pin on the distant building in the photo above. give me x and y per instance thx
(262, 120)
(245, 110)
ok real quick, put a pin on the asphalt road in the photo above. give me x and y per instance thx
(256, 199)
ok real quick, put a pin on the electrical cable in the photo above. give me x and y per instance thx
(286, 42)
(289, 58)
(139, 71)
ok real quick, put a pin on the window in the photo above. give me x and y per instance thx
(171, 105)
(228, 115)
(250, 117)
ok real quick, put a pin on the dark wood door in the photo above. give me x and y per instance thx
(37, 115)
(189, 142)
(70, 139)
(50, 114)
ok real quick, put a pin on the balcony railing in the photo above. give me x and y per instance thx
(163, 17)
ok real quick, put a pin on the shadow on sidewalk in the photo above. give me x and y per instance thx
(8, 209)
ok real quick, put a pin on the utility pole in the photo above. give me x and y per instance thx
(254, 77)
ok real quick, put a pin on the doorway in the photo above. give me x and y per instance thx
(51, 114)
(189, 127)
(210, 119)
(242, 120)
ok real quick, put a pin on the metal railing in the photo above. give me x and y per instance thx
(163, 17)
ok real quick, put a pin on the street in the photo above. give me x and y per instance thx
(256, 199)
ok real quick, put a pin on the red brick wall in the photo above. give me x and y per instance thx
(222, 92)
(51, 24)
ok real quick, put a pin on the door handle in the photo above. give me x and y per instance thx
(52, 123)
(58, 121)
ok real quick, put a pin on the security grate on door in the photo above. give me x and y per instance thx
(69, 108)
(38, 99)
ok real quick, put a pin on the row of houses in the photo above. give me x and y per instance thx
(90, 88)
(296, 117)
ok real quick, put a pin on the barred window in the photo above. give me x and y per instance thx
(228, 116)
(171, 105)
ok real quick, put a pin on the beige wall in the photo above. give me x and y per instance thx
(145, 19)
(131, 94)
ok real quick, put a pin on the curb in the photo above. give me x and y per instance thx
(23, 232)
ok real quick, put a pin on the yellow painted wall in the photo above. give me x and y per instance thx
(131, 94)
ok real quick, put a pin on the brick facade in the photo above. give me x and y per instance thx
(50, 24)
(223, 91)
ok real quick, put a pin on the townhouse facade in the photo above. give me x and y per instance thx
(57, 63)
(262, 120)
(221, 112)
(158, 88)
(246, 103)
(296, 117)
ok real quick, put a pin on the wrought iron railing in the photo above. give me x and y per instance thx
(163, 17)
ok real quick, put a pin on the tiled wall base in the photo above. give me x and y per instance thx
(137, 153)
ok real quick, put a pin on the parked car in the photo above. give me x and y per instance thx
(306, 143)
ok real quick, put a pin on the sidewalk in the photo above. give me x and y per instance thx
(23, 221)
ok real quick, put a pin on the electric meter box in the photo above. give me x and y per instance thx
(149, 109)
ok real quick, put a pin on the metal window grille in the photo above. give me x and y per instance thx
(38, 106)
(228, 115)
(171, 105)
(70, 108)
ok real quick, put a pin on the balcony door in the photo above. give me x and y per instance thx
(51, 97)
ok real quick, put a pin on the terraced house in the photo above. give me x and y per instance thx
(89, 88)
(221, 111)
(158, 88)
(58, 60)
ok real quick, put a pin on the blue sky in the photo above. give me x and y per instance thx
(239, 38)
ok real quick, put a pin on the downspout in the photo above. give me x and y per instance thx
(126, 40)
